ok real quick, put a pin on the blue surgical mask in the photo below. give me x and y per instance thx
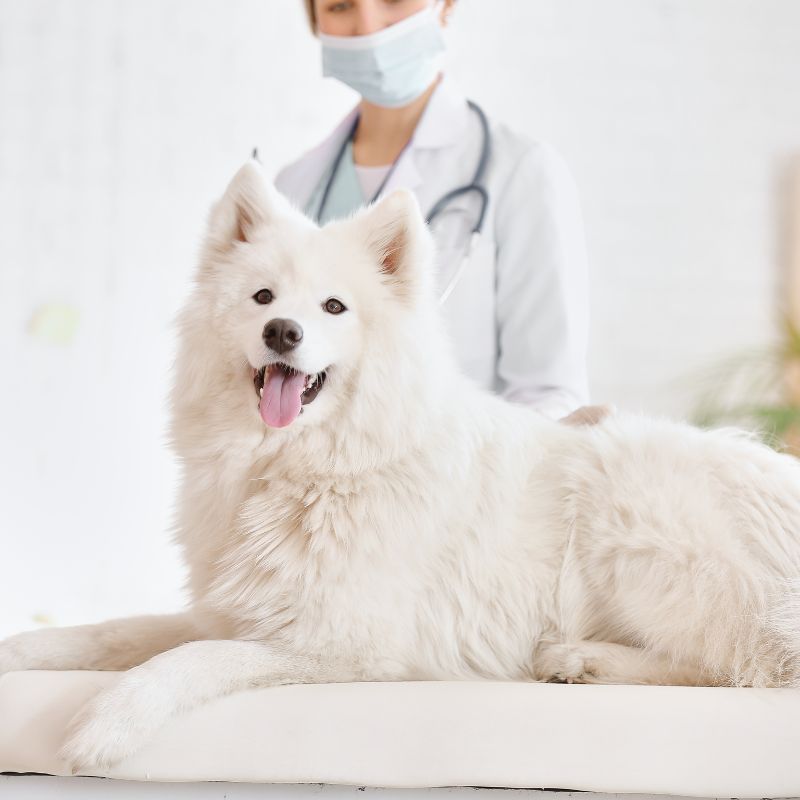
(391, 67)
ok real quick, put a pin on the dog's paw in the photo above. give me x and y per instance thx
(42, 648)
(114, 725)
(564, 663)
(92, 744)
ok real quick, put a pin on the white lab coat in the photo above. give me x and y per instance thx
(519, 314)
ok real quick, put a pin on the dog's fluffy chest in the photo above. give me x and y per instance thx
(411, 581)
(318, 565)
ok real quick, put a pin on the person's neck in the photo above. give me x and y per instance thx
(383, 132)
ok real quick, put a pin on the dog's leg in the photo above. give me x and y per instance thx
(119, 720)
(113, 645)
(605, 662)
(712, 608)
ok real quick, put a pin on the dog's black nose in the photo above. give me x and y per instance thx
(282, 334)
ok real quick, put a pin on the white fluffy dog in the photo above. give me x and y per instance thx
(353, 508)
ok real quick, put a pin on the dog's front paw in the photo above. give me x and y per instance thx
(564, 663)
(92, 743)
(111, 727)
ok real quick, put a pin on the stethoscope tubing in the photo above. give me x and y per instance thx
(475, 186)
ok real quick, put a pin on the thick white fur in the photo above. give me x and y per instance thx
(409, 525)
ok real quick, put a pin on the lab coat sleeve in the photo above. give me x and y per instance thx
(541, 286)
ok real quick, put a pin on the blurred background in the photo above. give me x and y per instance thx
(121, 121)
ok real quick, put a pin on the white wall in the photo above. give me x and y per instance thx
(121, 121)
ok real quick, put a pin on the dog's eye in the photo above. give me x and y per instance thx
(263, 296)
(334, 306)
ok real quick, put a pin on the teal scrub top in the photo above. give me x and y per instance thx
(345, 195)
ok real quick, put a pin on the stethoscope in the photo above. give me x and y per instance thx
(475, 185)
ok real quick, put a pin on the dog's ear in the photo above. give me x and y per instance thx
(249, 203)
(398, 239)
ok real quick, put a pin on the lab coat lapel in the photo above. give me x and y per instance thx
(444, 116)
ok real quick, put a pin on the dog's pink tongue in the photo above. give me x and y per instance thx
(280, 403)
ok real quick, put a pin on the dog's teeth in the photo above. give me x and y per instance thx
(261, 392)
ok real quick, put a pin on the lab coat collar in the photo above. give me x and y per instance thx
(439, 126)
(443, 119)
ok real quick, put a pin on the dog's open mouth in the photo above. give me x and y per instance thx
(283, 391)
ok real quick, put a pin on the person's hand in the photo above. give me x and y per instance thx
(587, 415)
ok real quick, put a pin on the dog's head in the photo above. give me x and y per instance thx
(319, 325)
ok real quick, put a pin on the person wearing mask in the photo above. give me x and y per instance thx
(503, 208)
